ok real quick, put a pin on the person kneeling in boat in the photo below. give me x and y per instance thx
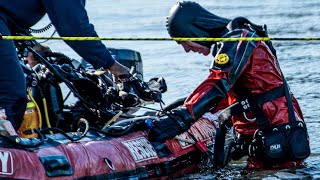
(246, 75)
(70, 19)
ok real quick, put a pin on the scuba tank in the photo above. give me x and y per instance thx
(30, 121)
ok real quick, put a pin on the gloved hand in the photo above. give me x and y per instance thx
(177, 122)
(119, 71)
(141, 89)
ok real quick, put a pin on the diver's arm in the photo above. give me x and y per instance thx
(206, 96)
(179, 120)
(71, 20)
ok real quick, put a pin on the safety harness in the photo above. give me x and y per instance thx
(294, 141)
(249, 103)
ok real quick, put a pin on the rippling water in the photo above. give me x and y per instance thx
(183, 72)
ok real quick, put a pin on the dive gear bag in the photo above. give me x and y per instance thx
(275, 145)
(281, 143)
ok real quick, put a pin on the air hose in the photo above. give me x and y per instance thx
(81, 120)
(60, 55)
(27, 143)
(115, 117)
(38, 109)
(44, 101)
(47, 27)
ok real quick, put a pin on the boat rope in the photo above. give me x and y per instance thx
(28, 38)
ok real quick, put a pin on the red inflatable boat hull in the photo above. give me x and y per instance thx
(129, 156)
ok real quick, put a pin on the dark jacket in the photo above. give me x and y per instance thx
(69, 18)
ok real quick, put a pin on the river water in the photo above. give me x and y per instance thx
(299, 60)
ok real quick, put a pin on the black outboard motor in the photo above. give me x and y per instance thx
(126, 57)
(129, 58)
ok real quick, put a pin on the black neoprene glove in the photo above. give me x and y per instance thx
(177, 122)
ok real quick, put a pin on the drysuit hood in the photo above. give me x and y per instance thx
(189, 19)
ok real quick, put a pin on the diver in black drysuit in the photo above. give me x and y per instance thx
(70, 19)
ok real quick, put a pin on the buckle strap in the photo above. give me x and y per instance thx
(246, 104)
(292, 117)
(253, 104)
(270, 95)
(182, 117)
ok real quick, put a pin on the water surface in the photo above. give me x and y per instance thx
(184, 71)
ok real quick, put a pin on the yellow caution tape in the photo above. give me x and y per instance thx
(28, 38)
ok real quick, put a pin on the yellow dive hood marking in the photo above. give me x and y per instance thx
(222, 59)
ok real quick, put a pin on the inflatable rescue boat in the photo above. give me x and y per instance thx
(101, 157)
(103, 150)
